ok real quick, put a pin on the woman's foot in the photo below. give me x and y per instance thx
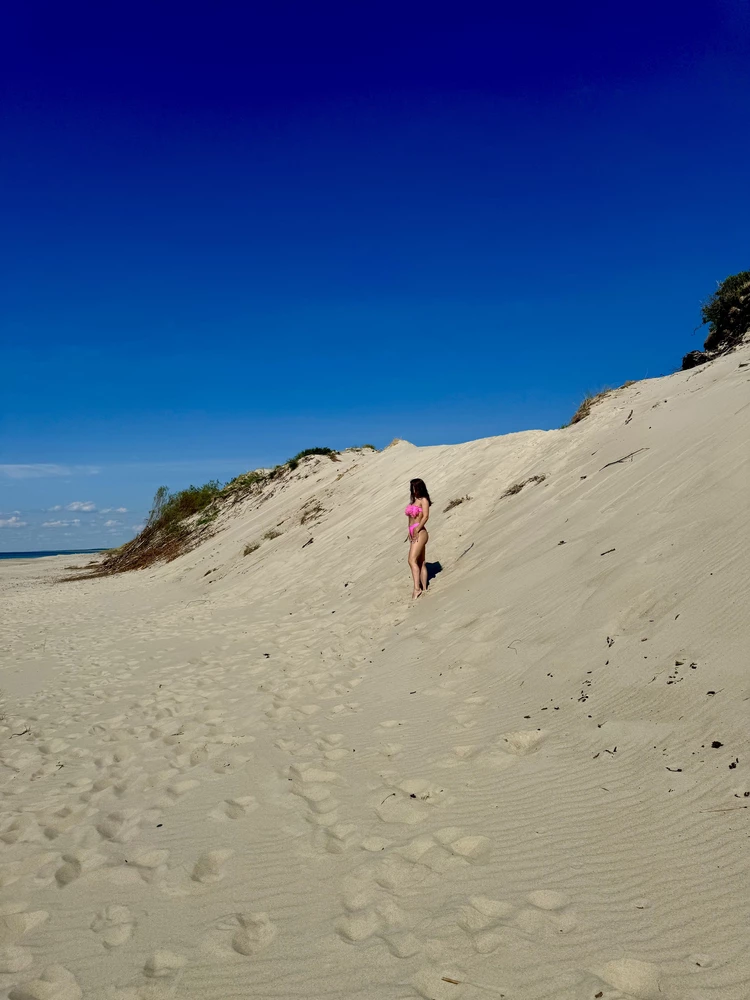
(415, 594)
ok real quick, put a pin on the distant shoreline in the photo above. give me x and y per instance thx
(49, 552)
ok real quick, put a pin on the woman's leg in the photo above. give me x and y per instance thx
(416, 559)
(414, 567)
(423, 570)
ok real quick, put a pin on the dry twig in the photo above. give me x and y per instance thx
(623, 459)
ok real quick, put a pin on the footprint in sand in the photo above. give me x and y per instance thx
(337, 838)
(523, 742)
(372, 914)
(313, 784)
(15, 924)
(14, 958)
(463, 721)
(491, 922)
(114, 924)
(234, 808)
(635, 980)
(78, 863)
(209, 867)
(24, 829)
(121, 826)
(549, 912)
(40, 866)
(482, 918)
(255, 932)
(240, 934)
(331, 745)
(346, 708)
(163, 963)
(55, 983)
(376, 895)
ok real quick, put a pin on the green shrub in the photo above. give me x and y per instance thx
(208, 517)
(169, 510)
(272, 533)
(252, 547)
(727, 313)
(310, 451)
(244, 481)
(167, 533)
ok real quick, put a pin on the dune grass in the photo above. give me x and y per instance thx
(455, 503)
(517, 487)
(179, 520)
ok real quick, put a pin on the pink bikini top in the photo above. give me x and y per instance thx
(413, 510)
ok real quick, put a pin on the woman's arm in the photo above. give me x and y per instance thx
(424, 516)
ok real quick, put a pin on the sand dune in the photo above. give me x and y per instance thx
(274, 776)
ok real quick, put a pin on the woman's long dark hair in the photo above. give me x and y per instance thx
(418, 489)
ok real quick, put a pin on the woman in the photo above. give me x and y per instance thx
(418, 513)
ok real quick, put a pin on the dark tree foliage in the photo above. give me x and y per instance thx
(727, 313)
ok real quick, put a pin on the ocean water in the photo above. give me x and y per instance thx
(48, 552)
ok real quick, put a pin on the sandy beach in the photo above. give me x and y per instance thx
(273, 775)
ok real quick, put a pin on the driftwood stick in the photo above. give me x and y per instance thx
(623, 459)
(468, 982)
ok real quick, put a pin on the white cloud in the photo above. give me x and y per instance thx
(62, 524)
(87, 505)
(12, 522)
(111, 524)
(138, 527)
(40, 470)
(58, 506)
(113, 510)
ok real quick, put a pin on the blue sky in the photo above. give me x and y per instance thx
(231, 235)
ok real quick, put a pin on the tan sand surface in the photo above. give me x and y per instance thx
(283, 779)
